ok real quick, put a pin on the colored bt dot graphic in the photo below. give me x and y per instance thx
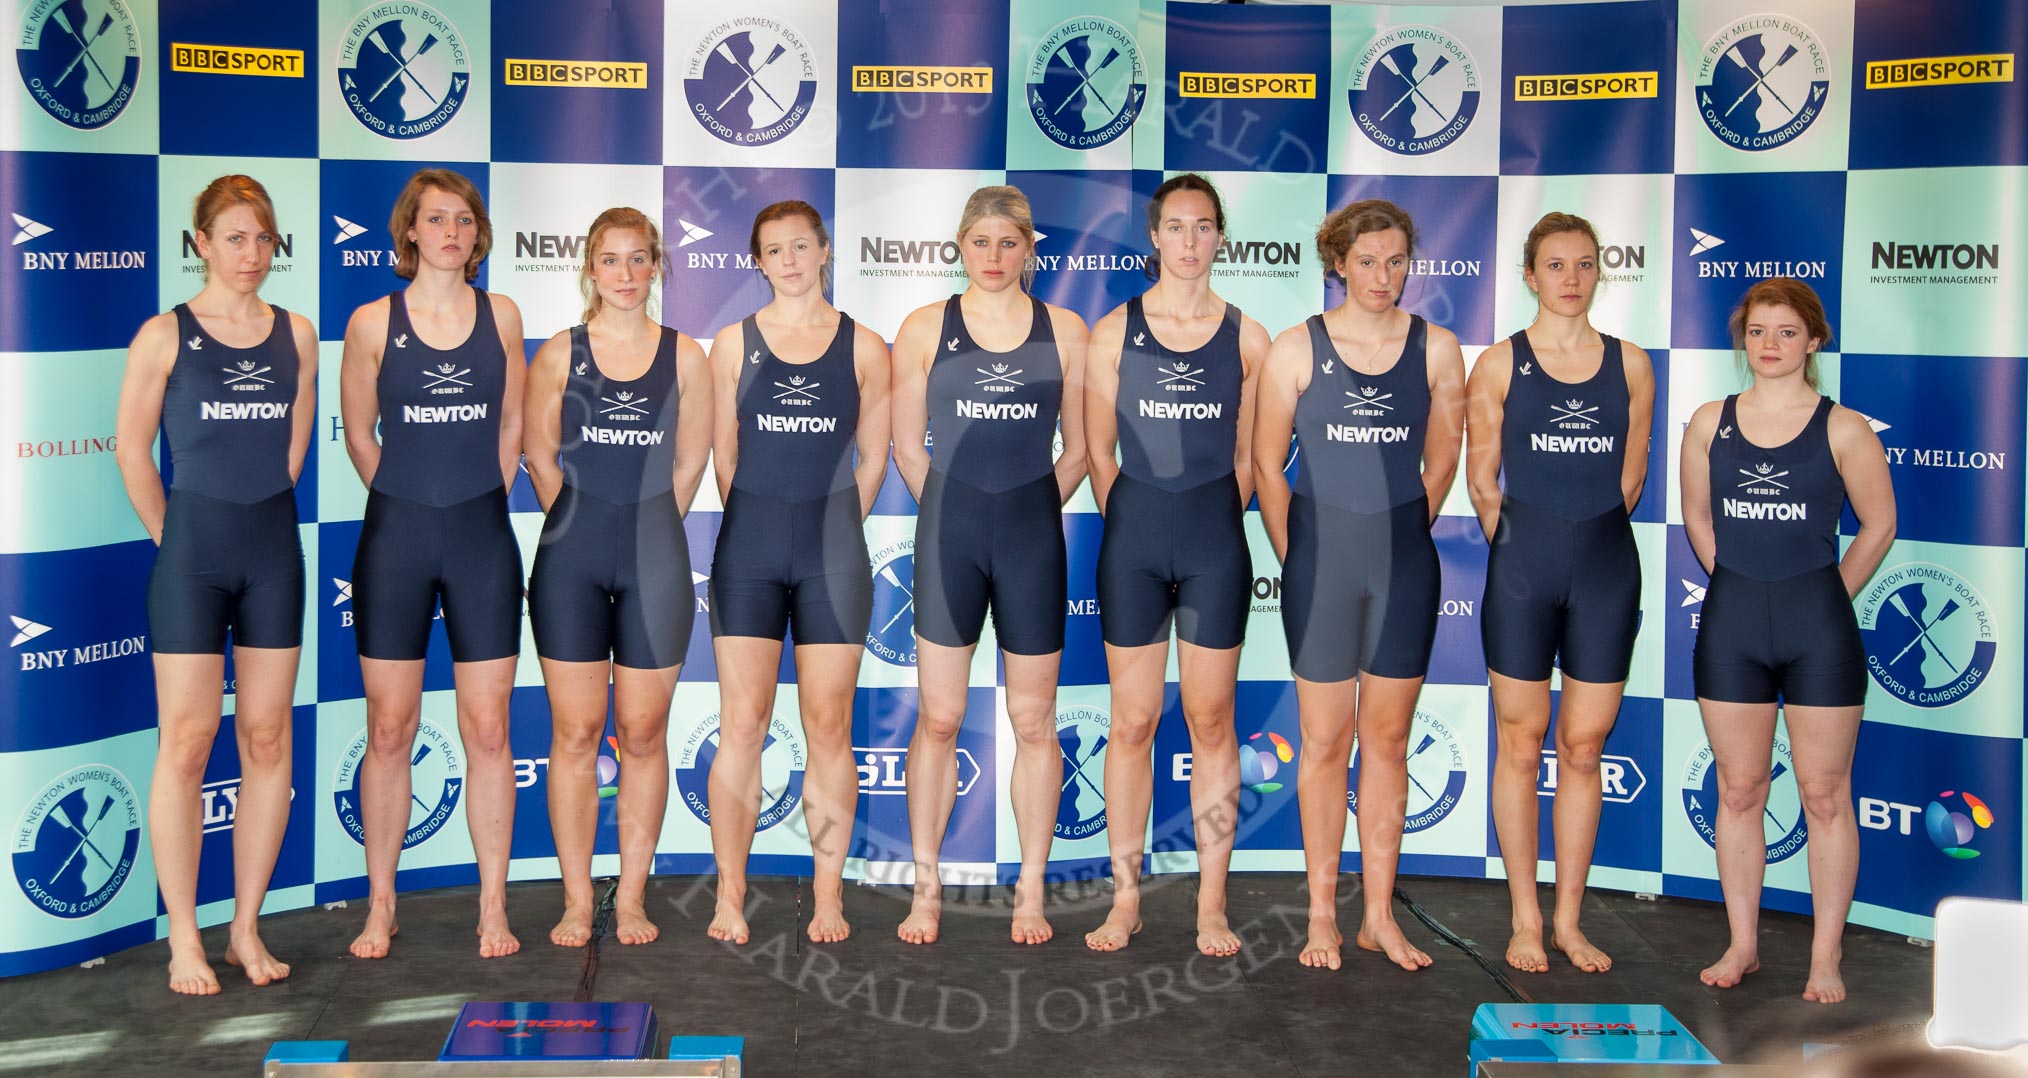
(1952, 830)
(1258, 765)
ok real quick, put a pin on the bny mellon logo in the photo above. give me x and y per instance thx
(25, 630)
(27, 229)
(692, 233)
(1704, 241)
(346, 229)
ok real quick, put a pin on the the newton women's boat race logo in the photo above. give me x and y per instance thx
(79, 59)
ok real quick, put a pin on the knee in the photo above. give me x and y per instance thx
(1742, 797)
(1825, 801)
(825, 730)
(1133, 731)
(643, 737)
(485, 734)
(1033, 727)
(1210, 737)
(939, 724)
(264, 747)
(573, 742)
(1581, 758)
(184, 755)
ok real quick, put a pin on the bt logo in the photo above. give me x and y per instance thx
(1949, 829)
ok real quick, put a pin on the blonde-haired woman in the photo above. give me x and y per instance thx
(618, 427)
(989, 373)
(430, 390)
(230, 558)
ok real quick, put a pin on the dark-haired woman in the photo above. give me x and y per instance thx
(988, 372)
(618, 429)
(1562, 412)
(1375, 399)
(799, 443)
(237, 418)
(1778, 638)
(430, 389)
(1168, 416)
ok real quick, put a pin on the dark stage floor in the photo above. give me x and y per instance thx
(972, 1004)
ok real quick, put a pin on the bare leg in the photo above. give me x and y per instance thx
(1821, 740)
(189, 693)
(577, 710)
(1742, 745)
(641, 720)
(825, 677)
(1036, 784)
(484, 689)
(1521, 712)
(393, 708)
(263, 723)
(1129, 782)
(1386, 707)
(747, 668)
(942, 677)
(1210, 682)
(1583, 722)
(1325, 711)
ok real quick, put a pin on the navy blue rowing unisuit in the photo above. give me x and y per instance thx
(1361, 582)
(612, 576)
(231, 558)
(1174, 545)
(1563, 577)
(1778, 623)
(991, 524)
(436, 526)
(790, 549)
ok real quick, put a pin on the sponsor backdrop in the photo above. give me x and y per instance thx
(1865, 147)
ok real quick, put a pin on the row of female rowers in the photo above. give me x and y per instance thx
(1166, 403)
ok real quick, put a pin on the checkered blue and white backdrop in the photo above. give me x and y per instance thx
(1878, 150)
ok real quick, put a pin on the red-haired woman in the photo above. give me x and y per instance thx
(1778, 637)
(430, 389)
(237, 416)
(799, 446)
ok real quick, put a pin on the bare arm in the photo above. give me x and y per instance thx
(725, 359)
(1485, 405)
(870, 357)
(149, 360)
(1862, 464)
(1441, 445)
(693, 419)
(1101, 392)
(1282, 382)
(1253, 352)
(507, 318)
(1640, 422)
(542, 417)
(1696, 482)
(359, 387)
(914, 349)
(306, 393)
(1073, 341)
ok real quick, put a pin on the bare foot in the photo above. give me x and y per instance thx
(1029, 926)
(827, 922)
(495, 941)
(1119, 927)
(189, 972)
(574, 930)
(378, 935)
(1386, 938)
(728, 923)
(248, 953)
(1321, 950)
(632, 924)
(1733, 966)
(1826, 984)
(925, 914)
(1524, 951)
(1579, 950)
(1215, 937)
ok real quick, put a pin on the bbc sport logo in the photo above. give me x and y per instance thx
(403, 71)
(1086, 82)
(77, 841)
(80, 59)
